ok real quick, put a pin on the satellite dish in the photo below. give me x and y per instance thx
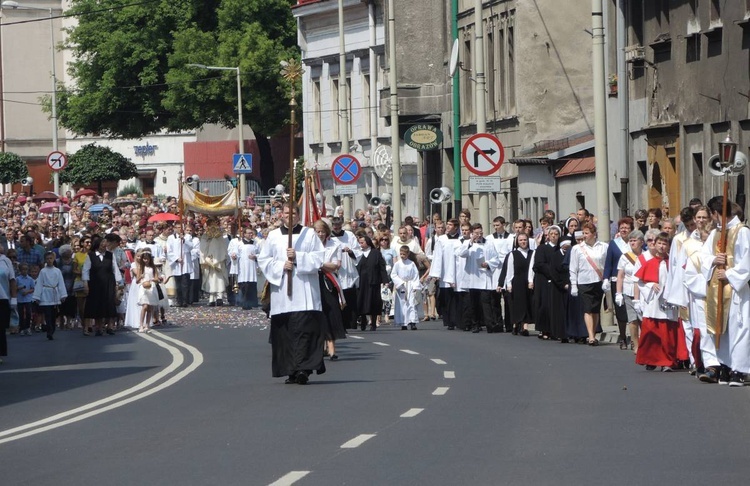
(454, 58)
(381, 160)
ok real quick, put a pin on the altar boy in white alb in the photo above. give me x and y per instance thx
(296, 321)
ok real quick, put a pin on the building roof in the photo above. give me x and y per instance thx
(528, 160)
(585, 165)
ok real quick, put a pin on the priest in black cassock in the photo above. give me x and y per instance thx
(296, 321)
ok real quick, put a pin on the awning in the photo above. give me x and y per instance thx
(585, 165)
(146, 173)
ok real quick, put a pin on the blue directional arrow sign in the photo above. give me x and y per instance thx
(242, 163)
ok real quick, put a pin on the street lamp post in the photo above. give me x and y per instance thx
(239, 115)
(55, 145)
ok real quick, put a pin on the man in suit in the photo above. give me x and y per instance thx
(8, 240)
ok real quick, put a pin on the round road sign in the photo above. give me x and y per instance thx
(483, 154)
(346, 169)
(57, 161)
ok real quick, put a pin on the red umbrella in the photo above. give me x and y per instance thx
(163, 217)
(45, 196)
(53, 207)
(84, 192)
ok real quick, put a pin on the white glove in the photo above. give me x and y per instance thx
(509, 288)
(13, 303)
(606, 285)
(574, 290)
(638, 307)
(619, 299)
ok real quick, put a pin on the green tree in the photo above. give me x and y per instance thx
(131, 72)
(97, 164)
(12, 168)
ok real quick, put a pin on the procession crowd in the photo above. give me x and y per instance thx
(98, 265)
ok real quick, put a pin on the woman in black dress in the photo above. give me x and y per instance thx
(559, 292)
(100, 275)
(330, 290)
(516, 283)
(372, 276)
(543, 282)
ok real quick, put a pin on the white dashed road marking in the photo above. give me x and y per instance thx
(449, 374)
(441, 390)
(412, 412)
(354, 337)
(357, 441)
(380, 344)
(290, 478)
(408, 351)
(438, 361)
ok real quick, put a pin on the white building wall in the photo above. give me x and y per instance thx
(318, 37)
(163, 152)
(568, 189)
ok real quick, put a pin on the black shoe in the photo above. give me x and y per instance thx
(404, 328)
(212, 304)
(724, 375)
(291, 381)
(49, 336)
(736, 379)
(476, 330)
(450, 328)
(110, 332)
(564, 341)
(650, 367)
(525, 332)
(413, 327)
(301, 378)
(98, 333)
(219, 303)
(490, 329)
(334, 357)
(709, 375)
(373, 327)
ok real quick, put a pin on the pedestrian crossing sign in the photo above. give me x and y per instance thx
(242, 163)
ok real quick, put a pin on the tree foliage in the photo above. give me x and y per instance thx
(12, 168)
(131, 75)
(93, 163)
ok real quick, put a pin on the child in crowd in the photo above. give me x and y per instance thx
(36, 316)
(25, 290)
(407, 290)
(50, 292)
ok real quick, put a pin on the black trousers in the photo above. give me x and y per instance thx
(195, 290)
(4, 324)
(248, 298)
(349, 313)
(478, 308)
(231, 296)
(506, 320)
(182, 289)
(448, 299)
(50, 314)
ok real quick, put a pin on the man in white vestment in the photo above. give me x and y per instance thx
(296, 320)
(213, 263)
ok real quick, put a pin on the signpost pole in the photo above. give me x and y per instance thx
(343, 100)
(484, 198)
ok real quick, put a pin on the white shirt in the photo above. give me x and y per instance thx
(86, 271)
(628, 280)
(581, 271)
(310, 255)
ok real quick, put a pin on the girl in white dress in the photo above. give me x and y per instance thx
(147, 278)
(407, 290)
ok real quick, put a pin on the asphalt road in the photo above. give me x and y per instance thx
(197, 405)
